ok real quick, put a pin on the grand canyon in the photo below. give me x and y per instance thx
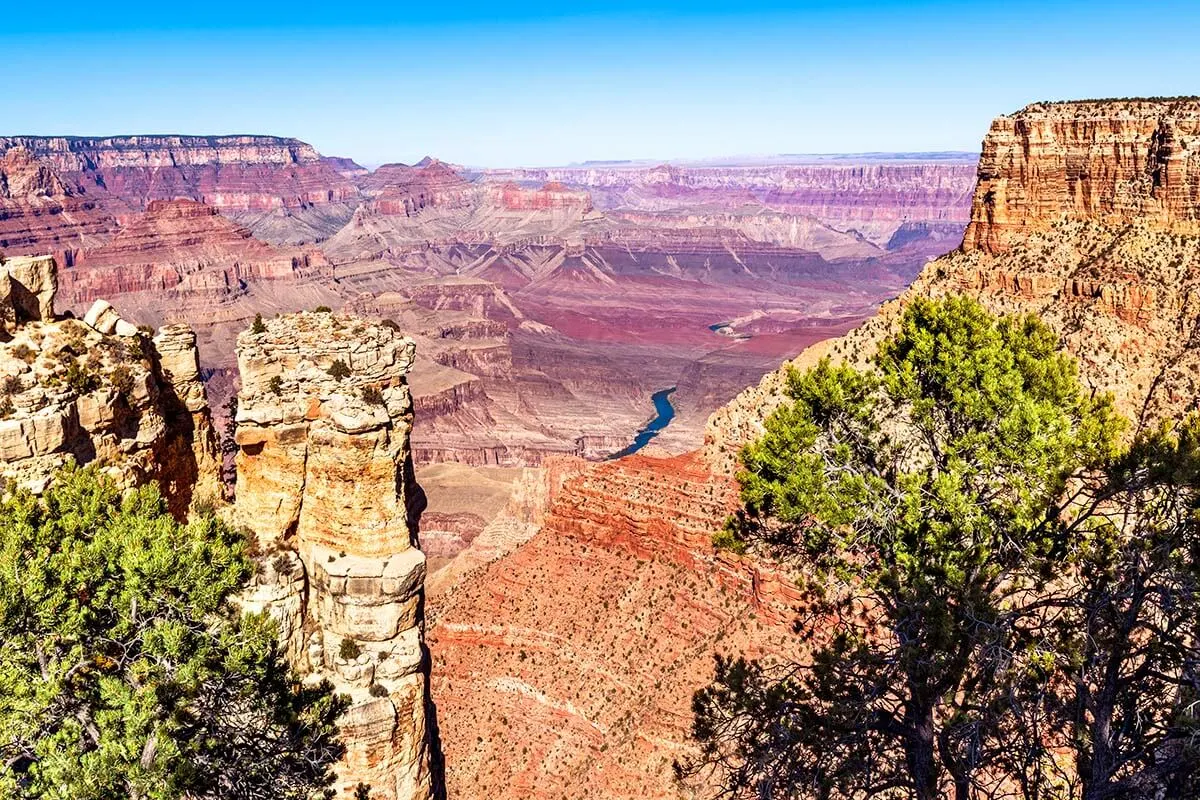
(548, 305)
(480, 425)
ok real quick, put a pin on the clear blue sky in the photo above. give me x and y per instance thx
(511, 83)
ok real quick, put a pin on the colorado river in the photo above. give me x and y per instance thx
(664, 413)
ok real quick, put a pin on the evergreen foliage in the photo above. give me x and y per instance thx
(124, 671)
(978, 557)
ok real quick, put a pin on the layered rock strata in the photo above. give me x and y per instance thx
(234, 172)
(584, 643)
(99, 390)
(185, 252)
(325, 481)
(1108, 162)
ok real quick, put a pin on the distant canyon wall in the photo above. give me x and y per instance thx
(875, 197)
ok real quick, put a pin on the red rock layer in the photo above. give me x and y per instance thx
(553, 195)
(1103, 161)
(40, 213)
(182, 250)
(566, 668)
(401, 190)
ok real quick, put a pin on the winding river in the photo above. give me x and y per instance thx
(664, 412)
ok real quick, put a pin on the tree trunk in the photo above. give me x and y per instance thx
(919, 750)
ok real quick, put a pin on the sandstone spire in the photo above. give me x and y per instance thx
(325, 482)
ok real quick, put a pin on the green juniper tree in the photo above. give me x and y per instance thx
(125, 673)
(925, 501)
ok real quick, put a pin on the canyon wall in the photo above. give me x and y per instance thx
(875, 195)
(183, 252)
(63, 194)
(234, 172)
(1108, 162)
(324, 479)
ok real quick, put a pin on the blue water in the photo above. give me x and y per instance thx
(664, 412)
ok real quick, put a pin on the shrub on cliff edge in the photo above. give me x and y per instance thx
(338, 370)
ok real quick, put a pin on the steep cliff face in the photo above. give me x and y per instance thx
(40, 213)
(325, 481)
(1108, 162)
(235, 172)
(282, 188)
(98, 390)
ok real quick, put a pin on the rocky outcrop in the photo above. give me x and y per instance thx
(1106, 161)
(325, 481)
(99, 390)
(28, 286)
(401, 190)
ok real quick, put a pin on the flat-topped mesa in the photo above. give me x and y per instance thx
(1105, 161)
(325, 481)
(98, 390)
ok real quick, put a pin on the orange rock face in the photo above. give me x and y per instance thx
(1104, 161)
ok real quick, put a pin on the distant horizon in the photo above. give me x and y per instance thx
(727, 160)
(537, 83)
